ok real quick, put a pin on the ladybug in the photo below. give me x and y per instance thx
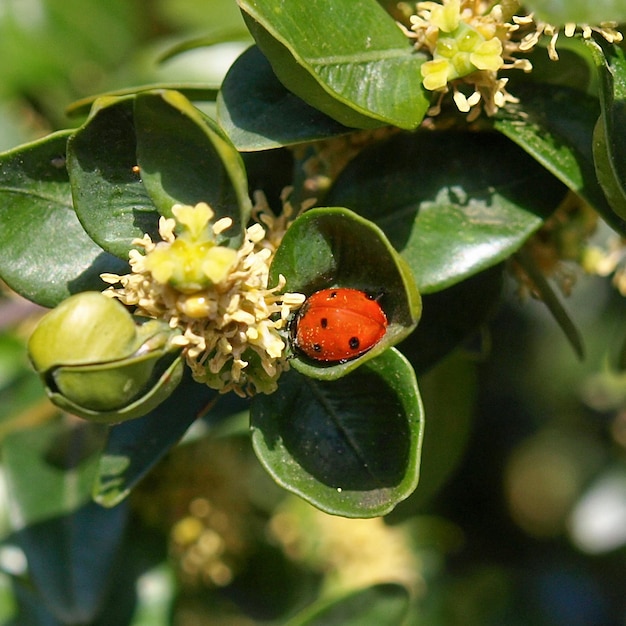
(336, 325)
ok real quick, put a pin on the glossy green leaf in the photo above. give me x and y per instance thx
(334, 247)
(559, 12)
(385, 604)
(259, 113)
(452, 203)
(351, 446)
(110, 199)
(134, 447)
(45, 254)
(347, 59)
(185, 158)
(608, 145)
(192, 91)
(555, 125)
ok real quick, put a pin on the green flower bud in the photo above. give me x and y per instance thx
(99, 362)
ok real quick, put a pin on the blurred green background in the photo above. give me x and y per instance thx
(520, 518)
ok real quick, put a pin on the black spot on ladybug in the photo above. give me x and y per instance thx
(324, 322)
(317, 347)
(332, 294)
(354, 343)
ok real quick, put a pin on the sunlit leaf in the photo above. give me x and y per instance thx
(349, 60)
(453, 203)
(45, 255)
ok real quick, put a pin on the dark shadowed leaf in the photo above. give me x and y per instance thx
(350, 446)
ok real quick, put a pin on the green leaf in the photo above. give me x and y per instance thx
(348, 59)
(72, 558)
(555, 125)
(39, 488)
(192, 91)
(45, 254)
(110, 199)
(185, 158)
(351, 446)
(385, 604)
(559, 12)
(134, 447)
(453, 203)
(238, 33)
(608, 146)
(66, 538)
(334, 247)
(258, 113)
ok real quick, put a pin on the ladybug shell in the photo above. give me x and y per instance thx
(336, 325)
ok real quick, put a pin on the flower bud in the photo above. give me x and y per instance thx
(99, 362)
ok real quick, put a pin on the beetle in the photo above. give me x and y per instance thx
(338, 324)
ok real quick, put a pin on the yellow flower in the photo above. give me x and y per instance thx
(436, 74)
(445, 17)
(463, 52)
(232, 323)
(470, 41)
(193, 260)
(486, 56)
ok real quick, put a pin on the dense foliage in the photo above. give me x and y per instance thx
(344, 147)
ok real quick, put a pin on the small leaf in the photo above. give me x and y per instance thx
(453, 203)
(351, 446)
(39, 491)
(612, 186)
(204, 41)
(185, 158)
(609, 149)
(334, 247)
(193, 91)
(385, 604)
(71, 560)
(258, 113)
(347, 59)
(110, 198)
(45, 255)
(555, 125)
(66, 538)
(134, 447)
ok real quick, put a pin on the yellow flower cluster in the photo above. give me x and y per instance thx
(608, 259)
(231, 322)
(470, 41)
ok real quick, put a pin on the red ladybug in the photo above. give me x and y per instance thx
(336, 325)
